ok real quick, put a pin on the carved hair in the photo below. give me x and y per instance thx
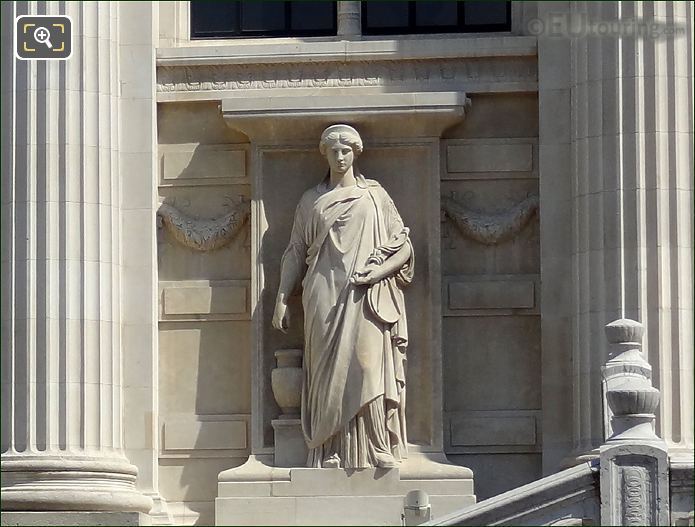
(344, 133)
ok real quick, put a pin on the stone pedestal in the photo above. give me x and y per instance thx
(258, 494)
(634, 484)
(290, 445)
(286, 381)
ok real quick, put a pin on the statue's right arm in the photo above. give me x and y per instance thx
(291, 270)
(290, 274)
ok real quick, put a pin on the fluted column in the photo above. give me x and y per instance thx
(61, 362)
(633, 210)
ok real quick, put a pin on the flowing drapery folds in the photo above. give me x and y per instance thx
(353, 400)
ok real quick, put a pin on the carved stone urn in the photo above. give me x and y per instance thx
(286, 381)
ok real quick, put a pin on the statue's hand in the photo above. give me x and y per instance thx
(368, 275)
(281, 317)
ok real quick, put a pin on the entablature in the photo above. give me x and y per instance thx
(443, 63)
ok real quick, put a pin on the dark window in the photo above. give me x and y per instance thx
(389, 18)
(262, 19)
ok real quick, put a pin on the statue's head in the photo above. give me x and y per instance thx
(341, 133)
(340, 144)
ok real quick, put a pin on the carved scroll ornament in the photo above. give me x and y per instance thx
(199, 234)
(490, 229)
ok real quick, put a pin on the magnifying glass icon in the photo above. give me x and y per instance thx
(42, 36)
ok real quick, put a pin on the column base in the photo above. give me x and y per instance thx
(159, 513)
(259, 494)
(73, 518)
(51, 482)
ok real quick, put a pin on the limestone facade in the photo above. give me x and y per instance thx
(148, 190)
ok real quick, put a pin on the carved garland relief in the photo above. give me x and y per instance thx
(487, 228)
(201, 234)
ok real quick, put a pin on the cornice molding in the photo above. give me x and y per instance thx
(304, 113)
(291, 50)
(494, 64)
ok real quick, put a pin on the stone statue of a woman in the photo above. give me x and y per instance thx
(350, 246)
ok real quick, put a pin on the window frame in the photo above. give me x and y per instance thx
(413, 29)
(241, 34)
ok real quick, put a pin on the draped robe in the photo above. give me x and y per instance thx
(353, 396)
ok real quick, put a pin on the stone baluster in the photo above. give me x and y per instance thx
(629, 392)
(62, 447)
(634, 460)
(633, 211)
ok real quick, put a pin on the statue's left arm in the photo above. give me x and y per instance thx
(375, 271)
(395, 257)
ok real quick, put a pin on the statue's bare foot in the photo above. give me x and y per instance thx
(332, 461)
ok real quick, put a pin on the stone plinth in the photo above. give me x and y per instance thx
(290, 445)
(258, 494)
(634, 484)
(74, 518)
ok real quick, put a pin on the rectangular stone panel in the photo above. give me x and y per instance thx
(186, 434)
(204, 368)
(493, 430)
(490, 158)
(204, 300)
(492, 363)
(497, 294)
(204, 162)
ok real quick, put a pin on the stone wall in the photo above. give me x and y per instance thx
(491, 295)
(204, 308)
(488, 166)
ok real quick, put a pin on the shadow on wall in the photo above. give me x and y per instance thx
(287, 175)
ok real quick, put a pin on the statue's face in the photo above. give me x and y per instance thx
(340, 157)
